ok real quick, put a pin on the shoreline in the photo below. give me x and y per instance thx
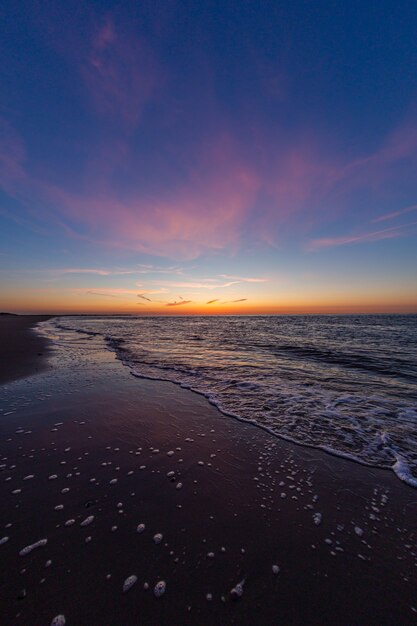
(399, 467)
(86, 421)
(23, 351)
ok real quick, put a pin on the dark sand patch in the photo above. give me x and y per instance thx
(108, 438)
(22, 351)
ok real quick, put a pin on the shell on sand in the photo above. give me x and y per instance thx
(129, 582)
(140, 528)
(59, 620)
(3, 540)
(33, 546)
(275, 569)
(160, 588)
(157, 538)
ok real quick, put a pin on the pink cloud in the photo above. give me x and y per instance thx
(204, 213)
(223, 196)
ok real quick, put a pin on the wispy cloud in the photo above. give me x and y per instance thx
(244, 279)
(98, 293)
(178, 303)
(116, 293)
(155, 269)
(199, 285)
(212, 301)
(394, 214)
(386, 233)
(140, 295)
(233, 301)
(87, 270)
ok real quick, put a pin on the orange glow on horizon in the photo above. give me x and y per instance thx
(331, 307)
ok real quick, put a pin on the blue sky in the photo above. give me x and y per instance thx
(275, 142)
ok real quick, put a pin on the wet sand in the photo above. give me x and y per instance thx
(21, 350)
(90, 438)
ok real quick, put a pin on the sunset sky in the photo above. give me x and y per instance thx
(208, 157)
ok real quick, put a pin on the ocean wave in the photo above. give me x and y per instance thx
(335, 391)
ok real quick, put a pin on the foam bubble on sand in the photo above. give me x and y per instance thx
(160, 588)
(52, 477)
(29, 477)
(129, 582)
(275, 569)
(3, 540)
(170, 453)
(33, 546)
(359, 531)
(16, 491)
(113, 481)
(59, 620)
(69, 522)
(179, 486)
(140, 528)
(317, 517)
(58, 507)
(158, 538)
(88, 520)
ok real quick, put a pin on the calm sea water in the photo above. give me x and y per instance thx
(347, 384)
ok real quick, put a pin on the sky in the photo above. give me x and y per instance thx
(186, 157)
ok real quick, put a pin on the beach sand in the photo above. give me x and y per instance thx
(21, 349)
(86, 435)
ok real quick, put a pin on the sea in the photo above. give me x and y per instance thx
(346, 384)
